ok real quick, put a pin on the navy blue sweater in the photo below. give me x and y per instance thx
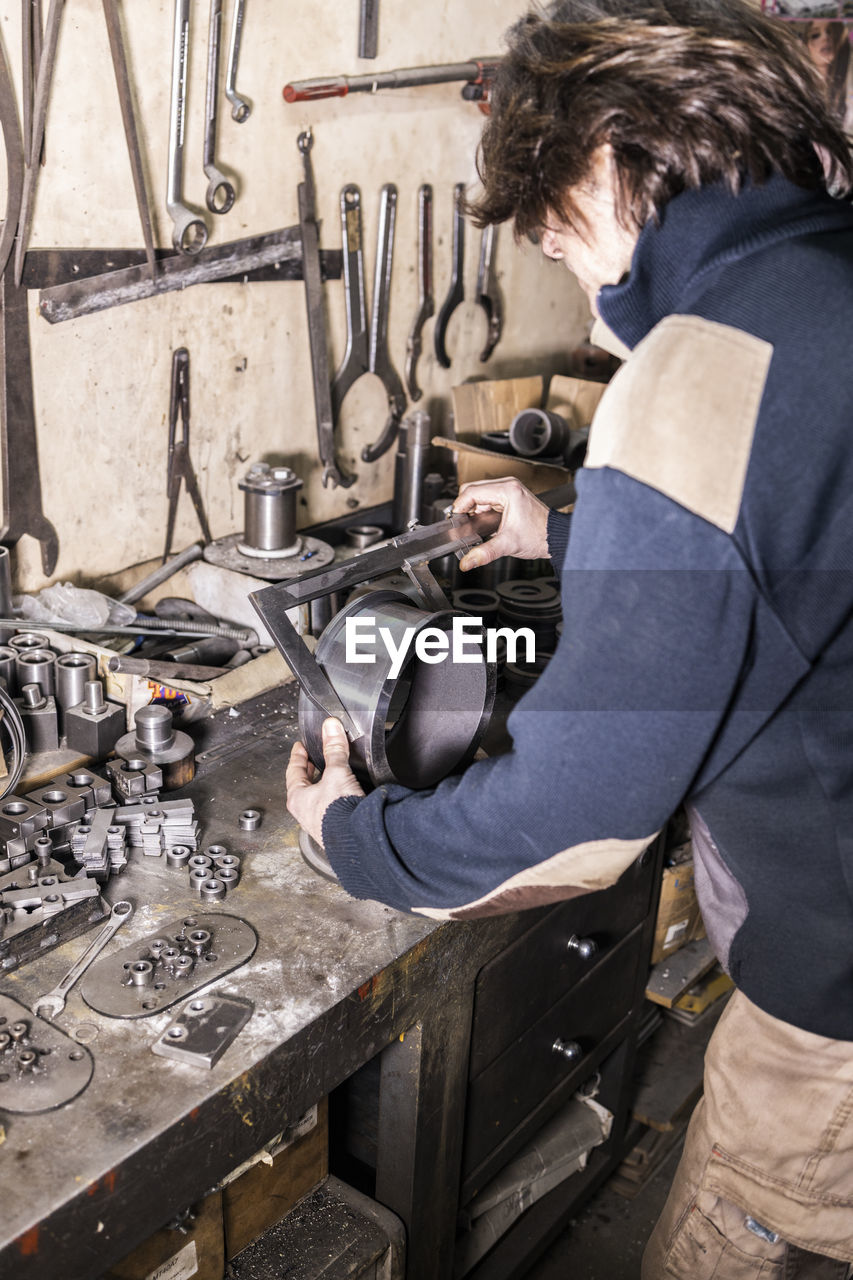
(707, 652)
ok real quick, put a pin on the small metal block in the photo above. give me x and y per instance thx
(249, 820)
(40, 724)
(21, 817)
(80, 782)
(94, 733)
(60, 805)
(204, 1028)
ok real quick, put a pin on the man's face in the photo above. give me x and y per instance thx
(602, 253)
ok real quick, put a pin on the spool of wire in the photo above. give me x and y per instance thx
(14, 727)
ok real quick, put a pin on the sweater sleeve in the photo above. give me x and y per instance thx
(660, 618)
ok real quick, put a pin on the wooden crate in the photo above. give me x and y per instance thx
(172, 1255)
(267, 1192)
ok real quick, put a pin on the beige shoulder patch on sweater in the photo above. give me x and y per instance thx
(680, 415)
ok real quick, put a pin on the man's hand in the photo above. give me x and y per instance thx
(309, 797)
(523, 530)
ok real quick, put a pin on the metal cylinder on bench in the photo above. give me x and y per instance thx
(269, 529)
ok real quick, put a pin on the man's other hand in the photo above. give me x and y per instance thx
(523, 530)
(309, 796)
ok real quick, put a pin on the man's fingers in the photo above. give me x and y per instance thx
(299, 770)
(335, 744)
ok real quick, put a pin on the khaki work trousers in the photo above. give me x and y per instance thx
(764, 1190)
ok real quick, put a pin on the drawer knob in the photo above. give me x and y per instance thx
(585, 947)
(568, 1049)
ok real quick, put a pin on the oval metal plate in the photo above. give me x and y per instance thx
(61, 1069)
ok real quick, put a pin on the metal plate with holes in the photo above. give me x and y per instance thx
(41, 1068)
(154, 973)
(203, 1029)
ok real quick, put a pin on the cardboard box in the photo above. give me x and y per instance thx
(679, 919)
(474, 463)
(173, 1255)
(265, 1192)
(479, 407)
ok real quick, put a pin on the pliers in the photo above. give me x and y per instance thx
(180, 466)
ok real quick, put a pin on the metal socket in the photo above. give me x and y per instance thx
(249, 820)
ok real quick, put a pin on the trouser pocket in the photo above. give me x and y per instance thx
(713, 1242)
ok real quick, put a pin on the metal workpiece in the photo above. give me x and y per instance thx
(212, 889)
(488, 295)
(456, 292)
(38, 713)
(380, 356)
(361, 536)
(200, 862)
(426, 295)
(332, 472)
(159, 827)
(41, 1068)
(94, 727)
(203, 1029)
(269, 503)
(220, 193)
(53, 1003)
(161, 574)
(539, 433)
(20, 816)
(164, 672)
(241, 108)
(250, 819)
(8, 669)
(95, 791)
(28, 640)
(178, 971)
(72, 672)
(132, 778)
(198, 876)
(418, 445)
(36, 666)
(415, 727)
(61, 805)
(178, 856)
(189, 234)
(99, 845)
(156, 740)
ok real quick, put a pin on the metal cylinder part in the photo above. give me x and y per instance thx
(536, 433)
(36, 666)
(227, 876)
(200, 860)
(156, 741)
(141, 973)
(8, 670)
(212, 890)
(198, 941)
(154, 730)
(363, 535)
(269, 528)
(416, 727)
(215, 850)
(418, 444)
(249, 820)
(183, 966)
(198, 876)
(177, 856)
(33, 696)
(93, 697)
(29, 640)
(73, 672)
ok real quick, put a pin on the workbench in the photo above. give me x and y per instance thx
(334, 982)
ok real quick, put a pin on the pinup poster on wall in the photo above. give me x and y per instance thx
(825, 29)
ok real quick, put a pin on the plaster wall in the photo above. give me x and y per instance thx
(101, 382)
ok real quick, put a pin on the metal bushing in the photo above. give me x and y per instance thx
(177, 856)
(363, 535)
(29, 640)
(533, 603)
(227, 861)
(212, 890)
(198, 876)
(249, 820)
(269, 527)
(156, 741)
(8, 669)
(73, 671)
(538, 433)
(413, 729)
(141, 973)
(200, 862)
(215, 851)
(198, 941)
(229, 877)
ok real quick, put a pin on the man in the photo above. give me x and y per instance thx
(677, 159)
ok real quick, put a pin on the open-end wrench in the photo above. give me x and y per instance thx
(220, 192)
(316, 325)
(125, 97)
(241, 108)
(456, 292)
(189, 233)
(356, 359)
(488, 295)
(51, 1005)
(426, 300)
(380, 359)
(47, 60)
(19, 459)
(15, 152)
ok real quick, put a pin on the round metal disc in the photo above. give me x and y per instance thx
(225, 552)
(315, 856)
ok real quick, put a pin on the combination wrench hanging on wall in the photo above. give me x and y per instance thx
(241, 108)
(316, 324)
(367, 351)
(426, 299)
(189, 234)
(220, 191)
(488, 295)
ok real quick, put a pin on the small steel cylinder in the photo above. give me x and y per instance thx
(29, 640)
(270, 508)
(36, 666)
(8, 669)
(73, 672)
(154, 727)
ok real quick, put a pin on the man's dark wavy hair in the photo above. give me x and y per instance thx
(686, 92)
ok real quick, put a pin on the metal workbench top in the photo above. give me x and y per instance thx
(333, 981)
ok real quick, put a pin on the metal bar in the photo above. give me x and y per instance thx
(48, 268)
(403, 78)
(83, 297)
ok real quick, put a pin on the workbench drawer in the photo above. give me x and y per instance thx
(559, 1046)
(520, 984)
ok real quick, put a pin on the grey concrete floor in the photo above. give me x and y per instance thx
(606, 1240)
